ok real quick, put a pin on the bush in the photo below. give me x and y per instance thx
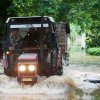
(94, 51)
(92, 40)
(89, 42)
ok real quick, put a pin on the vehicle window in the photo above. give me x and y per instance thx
(29, 37)
(14, 36)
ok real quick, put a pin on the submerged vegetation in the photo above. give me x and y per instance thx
(79, 92)
(96, 94)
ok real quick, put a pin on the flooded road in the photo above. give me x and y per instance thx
(79, 56)
(85, 67)
(69, 86)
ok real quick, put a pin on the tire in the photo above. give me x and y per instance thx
(7, 72)
(60, 70)
(10, 73)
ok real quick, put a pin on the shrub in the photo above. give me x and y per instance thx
(92, 40)
(94, 51)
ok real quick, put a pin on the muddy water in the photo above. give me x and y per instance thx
(32, 97)
(85, 67)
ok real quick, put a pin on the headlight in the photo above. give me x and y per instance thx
(8, 52)
(22, 68)
(31, 68)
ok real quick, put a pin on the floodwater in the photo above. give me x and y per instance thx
(81, 67)
(32, 97)
(78, 56)
(86, 67)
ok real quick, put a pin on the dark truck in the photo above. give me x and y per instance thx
(34, 46)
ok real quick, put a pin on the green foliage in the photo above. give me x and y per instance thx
(93, 40)
(89, 42)
(21, 7)
(35, 7)
(48, 7)
(4, 5)
(86, 13)
(94, 51)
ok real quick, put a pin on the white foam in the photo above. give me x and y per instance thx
(79, 74)
(53, 84)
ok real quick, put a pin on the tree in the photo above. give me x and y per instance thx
(4, 5)
(86, 14)
(3, 13)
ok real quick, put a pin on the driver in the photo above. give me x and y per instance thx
(14, 36)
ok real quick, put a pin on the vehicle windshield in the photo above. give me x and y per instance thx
(28, 37)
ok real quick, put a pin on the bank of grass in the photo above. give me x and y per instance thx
(94, 51)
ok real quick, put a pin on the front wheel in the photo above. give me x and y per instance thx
(10, 73)
(60, 70)
(60, 66)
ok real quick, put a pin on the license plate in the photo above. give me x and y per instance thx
(27, 79)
